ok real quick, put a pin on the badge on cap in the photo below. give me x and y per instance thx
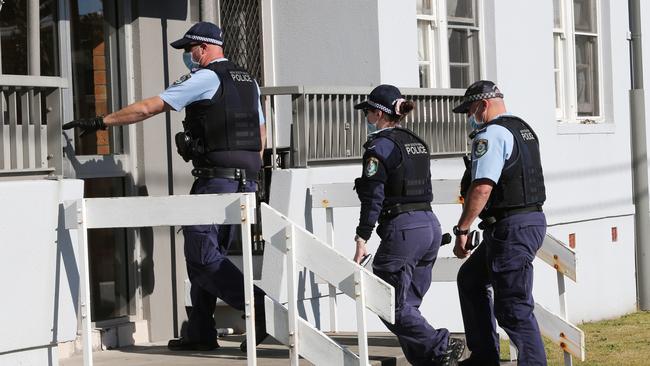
(182, 79)
(480, 147)
(372, 164)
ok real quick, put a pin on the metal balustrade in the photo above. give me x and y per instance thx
(325, 127)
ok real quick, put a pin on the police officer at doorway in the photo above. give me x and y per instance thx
(224, 134)
(395, 189)
(506, 191)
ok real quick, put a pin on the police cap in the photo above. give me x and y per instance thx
(482, 89)
(383, 98)
(201, 32)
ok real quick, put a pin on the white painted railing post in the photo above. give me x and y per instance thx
(359, 293)
(564, 313)
(329, 228)
(84, 288)
(513, 352)
(246, 207)
(292, 295)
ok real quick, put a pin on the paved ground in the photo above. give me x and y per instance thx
(384, 350)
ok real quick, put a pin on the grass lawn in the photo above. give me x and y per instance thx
(618, 342)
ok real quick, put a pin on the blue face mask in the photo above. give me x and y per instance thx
(189, 62)
(474, 123)
(371, 127)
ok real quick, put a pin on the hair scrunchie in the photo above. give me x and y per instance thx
(397, 103)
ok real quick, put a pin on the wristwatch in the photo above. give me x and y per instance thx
(458, 232)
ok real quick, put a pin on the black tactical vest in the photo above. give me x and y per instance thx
(230, 120)
(522, 182)
(410, 181)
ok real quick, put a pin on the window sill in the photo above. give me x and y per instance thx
(575, 128)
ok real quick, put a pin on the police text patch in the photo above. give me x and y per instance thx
(241, 76)
(372, 164)
(526, 134)
(415, 148)
(182, 79)
(480, 147)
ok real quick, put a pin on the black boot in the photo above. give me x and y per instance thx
(453, 353)
(182, 344)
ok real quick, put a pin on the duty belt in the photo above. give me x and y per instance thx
(392, 211)
(497, 215)
(227, 173)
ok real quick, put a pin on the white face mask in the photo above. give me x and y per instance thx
(188, 60)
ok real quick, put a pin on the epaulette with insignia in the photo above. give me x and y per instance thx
(182, 79)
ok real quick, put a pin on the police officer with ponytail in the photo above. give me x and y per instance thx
(224, 135)
(395, 191)
(504, 187)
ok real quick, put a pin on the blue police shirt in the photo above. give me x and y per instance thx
(386, 157)
(491, 147)
(200, 84)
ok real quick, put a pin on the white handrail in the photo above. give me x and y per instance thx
(286, 241)
(554, 252)
(220, 209)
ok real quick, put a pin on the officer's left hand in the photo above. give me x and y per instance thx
(361, 250)
(459, 247)
(87, 125)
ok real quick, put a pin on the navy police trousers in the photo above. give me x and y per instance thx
(408, 250)
(211, 273)
(504, 262)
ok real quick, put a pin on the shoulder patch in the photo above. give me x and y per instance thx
(480, 147)
(182, 79)
(372, 165)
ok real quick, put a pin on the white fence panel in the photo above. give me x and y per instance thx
(235, 208)
(315, 345)
(569, 337)
(327, 263)
(554, 252)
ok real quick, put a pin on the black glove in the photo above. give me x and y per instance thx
(87, 125)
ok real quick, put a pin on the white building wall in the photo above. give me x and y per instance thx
(587, 172)
(397, 32)
(38, 271)
(326, 43)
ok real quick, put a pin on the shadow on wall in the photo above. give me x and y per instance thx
(65, 255)
(168, 10)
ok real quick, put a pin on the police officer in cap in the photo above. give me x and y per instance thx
(395, 189)
(506, 190)
(224, 134)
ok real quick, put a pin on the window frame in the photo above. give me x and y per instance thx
(438, 43)
(568, 110)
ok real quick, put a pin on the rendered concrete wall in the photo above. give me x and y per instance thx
(326, 43)
(156, 146)
(39, 267)
(398, 43)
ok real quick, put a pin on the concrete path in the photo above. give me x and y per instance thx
(384, 351)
